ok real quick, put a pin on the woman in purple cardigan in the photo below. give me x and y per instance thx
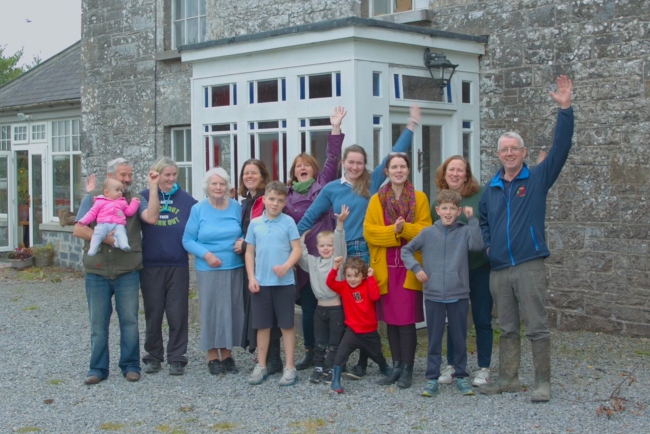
(305, 183)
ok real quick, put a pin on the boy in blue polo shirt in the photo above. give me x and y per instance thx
(273, 248)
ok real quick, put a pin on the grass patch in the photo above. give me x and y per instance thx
(111, 426)
(642, 352)
(186, 408)
(15, 299)
(32, 307)
(54, 382)
(309, 425)
(224, 426)
(29, 429)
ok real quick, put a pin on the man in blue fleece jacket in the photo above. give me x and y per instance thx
(513, 210)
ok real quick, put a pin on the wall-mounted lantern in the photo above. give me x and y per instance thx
(440, 68)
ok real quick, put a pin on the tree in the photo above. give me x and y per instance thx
(8, 68)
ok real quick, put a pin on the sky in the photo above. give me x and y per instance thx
(54, 26)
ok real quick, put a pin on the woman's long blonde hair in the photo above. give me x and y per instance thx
(362, 184)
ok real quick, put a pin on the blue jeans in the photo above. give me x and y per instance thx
(479, 294)
(99, 292)
(359, 248)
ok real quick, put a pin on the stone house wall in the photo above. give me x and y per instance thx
(598, 223)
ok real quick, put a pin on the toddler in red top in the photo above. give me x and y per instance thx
(358, 292)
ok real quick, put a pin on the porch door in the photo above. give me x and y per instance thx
(38, 205)
(6, 216)
(431, 142)
(431, 145)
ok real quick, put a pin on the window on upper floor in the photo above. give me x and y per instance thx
(188, 18)
(320, 86)
(39, 133)
(66, 166)
(384, 7)
(313, 138)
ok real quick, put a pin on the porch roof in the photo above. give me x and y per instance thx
(335, 24)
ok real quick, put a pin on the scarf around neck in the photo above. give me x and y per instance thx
(394, 207)
(302, 187)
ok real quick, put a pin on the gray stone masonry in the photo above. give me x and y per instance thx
(598, 219)
(68, 250)
(598, 211)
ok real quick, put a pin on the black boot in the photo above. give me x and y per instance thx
(393, 376)
(273, 359)
(307, 360)
(406, 377)
(336, 380)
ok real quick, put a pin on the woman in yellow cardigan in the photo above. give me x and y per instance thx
(395, 215)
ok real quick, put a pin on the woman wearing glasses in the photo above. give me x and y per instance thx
(354, 189)
(456, 174)
(396, 215)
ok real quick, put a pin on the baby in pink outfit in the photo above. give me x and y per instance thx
(110, 210)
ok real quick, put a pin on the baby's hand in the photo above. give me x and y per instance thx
(345, 212)
(371, 272)
(422, 276)
(337, 262)
(469, 212)
(136, 199)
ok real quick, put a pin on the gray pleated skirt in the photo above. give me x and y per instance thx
(222, 308)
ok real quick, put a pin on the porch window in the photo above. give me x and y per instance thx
(220, 141)
(320, 86)
(221, 96)
(20, 134)
(467, 139)
(267, 90)
(39, 133)
(268, 142)
(417, 88)
(5, 138)
(313, 138)
(188, 17)
(66, 166)
(376, 140)
(182, 155)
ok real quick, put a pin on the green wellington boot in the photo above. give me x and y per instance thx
(509, 359)
(542, 370)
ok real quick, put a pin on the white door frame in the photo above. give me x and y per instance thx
(12, 209)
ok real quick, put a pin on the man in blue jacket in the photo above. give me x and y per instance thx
(513, 210)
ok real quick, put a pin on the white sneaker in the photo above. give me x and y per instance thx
(289, 377)
(481, 377)
(446, 375)
(258, 376)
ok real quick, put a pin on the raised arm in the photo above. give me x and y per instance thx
(403, 144)
(132, 207)
(150, 215)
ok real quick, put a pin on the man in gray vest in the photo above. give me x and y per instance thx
(113, 271)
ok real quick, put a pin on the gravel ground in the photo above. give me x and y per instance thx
(45, 346)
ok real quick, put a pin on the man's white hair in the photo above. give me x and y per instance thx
(511, 135)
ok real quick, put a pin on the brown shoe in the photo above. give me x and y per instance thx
(132, 376)
(93, 379)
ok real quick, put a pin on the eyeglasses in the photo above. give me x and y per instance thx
(513, 149)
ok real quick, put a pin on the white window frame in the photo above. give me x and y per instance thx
(16, 140)
(231, 134)
(254, 132)
(178, 41)
(282, 94)
(208, 95)
(5, 137)
(183, 162)
(74, 135)
(43, 132)
(308, 130)
(303, 94)
(392, 6)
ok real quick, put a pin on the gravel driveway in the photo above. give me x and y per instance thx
(45, 346)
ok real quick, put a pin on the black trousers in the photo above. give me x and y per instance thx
(368, 342)
(328, 331)
(165, 291)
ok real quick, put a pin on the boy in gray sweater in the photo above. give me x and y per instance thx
(328, 319)
(445, 275)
